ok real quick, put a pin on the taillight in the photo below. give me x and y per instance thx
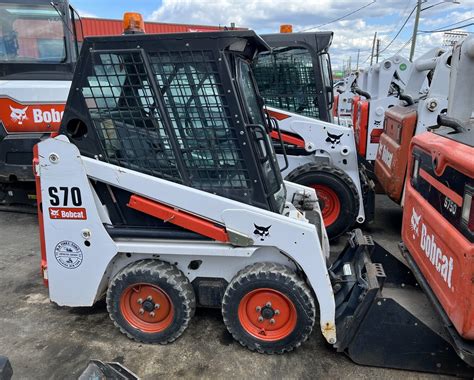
(375, 135)
(467, 214)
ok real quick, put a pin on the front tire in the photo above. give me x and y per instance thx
(337, 194)
(151, 301)
(268, 308)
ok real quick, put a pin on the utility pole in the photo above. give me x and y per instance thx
(377, 54)
(415, 30)
(358, 56)
(350, 64)
(373, 48)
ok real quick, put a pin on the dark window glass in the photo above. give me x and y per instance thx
(123, 109)
(286, 80)
(31, 33)
(195, 101)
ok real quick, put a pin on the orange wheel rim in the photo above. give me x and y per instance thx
(330, 203)
(147, 308)
(267, 314)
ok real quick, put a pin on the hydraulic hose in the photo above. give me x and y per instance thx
(407, 98)
(450, 122)
(358, 91)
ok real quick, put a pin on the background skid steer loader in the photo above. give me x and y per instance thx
(368, 114)
(431, 330)
(163, 193)
(416, 112)
(36, 66)
(295, 81)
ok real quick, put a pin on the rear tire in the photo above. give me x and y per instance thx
(268, 308)
(338, 195)
(151, 301)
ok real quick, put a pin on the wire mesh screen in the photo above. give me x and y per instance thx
(193, 143)
(195, 102)
(124, 112)
(286, 80)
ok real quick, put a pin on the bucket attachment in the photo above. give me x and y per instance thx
(383, 317)
(98, 370)
(6, 371)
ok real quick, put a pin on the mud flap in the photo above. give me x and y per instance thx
(383, 317)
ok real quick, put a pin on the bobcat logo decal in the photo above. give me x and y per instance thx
(415, 224)
(18, 115)
(334, 139)
(262, 232)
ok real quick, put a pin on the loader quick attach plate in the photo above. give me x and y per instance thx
(384, 319)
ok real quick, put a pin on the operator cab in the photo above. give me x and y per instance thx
(182, 107)
(291, 76)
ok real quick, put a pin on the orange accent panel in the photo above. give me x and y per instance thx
(288, 139)
(178, 218)
(44, 260)
(362, 126)
(335, 106)
(355, 109)
(278, 115)
(392, 154)
(444, 256)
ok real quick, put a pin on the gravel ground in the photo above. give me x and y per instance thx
(44, 341)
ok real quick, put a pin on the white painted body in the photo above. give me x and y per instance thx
(293, 241)
(314, 132)
(35, 91)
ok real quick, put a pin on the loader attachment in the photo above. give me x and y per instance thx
(384, 318)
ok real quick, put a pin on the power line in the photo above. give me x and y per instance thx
(340, 18)
(447, 26)
(399, 31)
(448, 30)
(401, 17)
(404, 45)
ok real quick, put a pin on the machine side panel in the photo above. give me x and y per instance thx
(432, 229)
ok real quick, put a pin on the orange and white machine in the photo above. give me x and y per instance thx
(416, 112)
(438, 217)
(368, 113)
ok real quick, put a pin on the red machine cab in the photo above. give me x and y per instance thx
(392, 153)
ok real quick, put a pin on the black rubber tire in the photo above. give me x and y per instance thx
(282, 279)
(337, 180)
(171, 280)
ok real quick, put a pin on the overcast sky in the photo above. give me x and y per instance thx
(351, 34)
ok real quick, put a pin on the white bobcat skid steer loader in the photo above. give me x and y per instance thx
(296, 83)
(163, 193)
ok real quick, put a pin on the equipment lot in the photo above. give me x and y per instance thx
(45, 341)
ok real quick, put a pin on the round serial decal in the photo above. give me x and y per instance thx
(68, 254)
(403, 66)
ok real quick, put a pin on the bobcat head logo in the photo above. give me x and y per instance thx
(415, 223)
(261, 232)
(18, 115)
(334, 139)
